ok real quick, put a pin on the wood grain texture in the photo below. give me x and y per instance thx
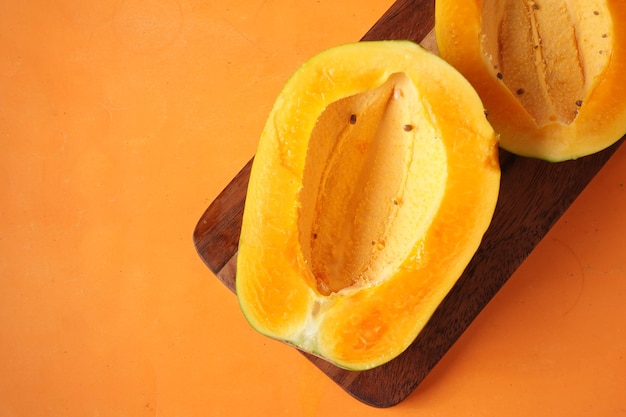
(533, 196)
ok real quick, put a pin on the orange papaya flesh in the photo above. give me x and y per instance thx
(375, 178)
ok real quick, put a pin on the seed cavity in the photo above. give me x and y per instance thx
(368, 190)
(556, 50)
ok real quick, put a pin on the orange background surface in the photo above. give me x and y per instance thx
(120, 121)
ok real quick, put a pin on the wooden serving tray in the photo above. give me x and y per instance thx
(533, 195)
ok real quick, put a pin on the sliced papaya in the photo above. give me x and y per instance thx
(375, 178)
(550, 73)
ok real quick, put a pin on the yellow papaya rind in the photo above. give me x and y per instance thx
(276, 291)
(601, 116)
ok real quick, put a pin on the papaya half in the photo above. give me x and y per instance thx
(375, 178)
(550, 73)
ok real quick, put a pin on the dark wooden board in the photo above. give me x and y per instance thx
(533, 195)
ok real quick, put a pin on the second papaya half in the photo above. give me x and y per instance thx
(550, 73)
